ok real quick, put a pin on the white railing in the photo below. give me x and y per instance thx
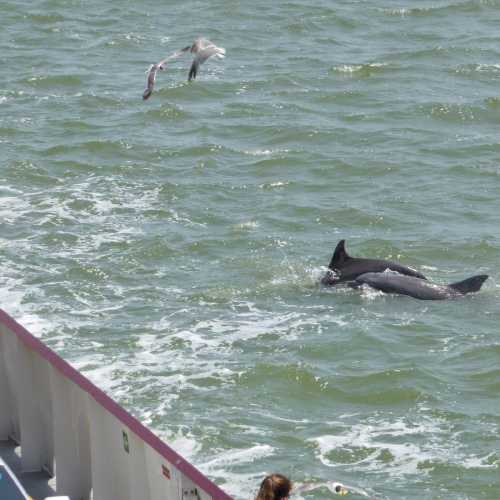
(66, 425)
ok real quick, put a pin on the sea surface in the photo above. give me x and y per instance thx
(171, 249)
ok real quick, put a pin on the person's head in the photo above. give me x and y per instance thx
(274, 487)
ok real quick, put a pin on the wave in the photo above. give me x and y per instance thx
(102, 147)
(45, 18)
(493, 102)
(396, 447)
(165, 111)
(478, 69)
(362, 70)
(50, 81)
(123, 40)
(451, 112)
(469, 6)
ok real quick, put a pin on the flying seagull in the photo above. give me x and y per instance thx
(202, 49)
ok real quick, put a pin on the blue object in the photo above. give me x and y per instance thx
(8, 488)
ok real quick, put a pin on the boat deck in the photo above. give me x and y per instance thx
(39, 485)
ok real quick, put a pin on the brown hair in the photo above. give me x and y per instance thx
(274, 487)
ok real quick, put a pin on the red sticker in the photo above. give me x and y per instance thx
(165, 472)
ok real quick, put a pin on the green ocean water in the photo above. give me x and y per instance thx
(172, 249)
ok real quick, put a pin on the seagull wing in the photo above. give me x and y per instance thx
(301, 488)
(173, 56)
(161, 65)
(151, 82)
(344, 489)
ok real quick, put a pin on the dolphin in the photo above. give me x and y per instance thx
(344, 268)
(390, 282)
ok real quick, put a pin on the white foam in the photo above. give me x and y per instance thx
(274, 185)
(249, 325)
(399, 12)
(103, 207)
(265, 152)
(224, 464)
(369, 293)
(242, 89)
(488, 67)
(238, 457)
(348, 68)
(355, 68)
(396, 448)
(12, 294)
(235, 483)
(251, 224)
(185, 444)
(12, 208)
(479, 462)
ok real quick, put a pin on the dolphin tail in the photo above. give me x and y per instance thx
(339, 255)
(470, 284)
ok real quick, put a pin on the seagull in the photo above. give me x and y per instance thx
(202, 49)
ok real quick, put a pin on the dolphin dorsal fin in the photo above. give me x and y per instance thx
(339, 255)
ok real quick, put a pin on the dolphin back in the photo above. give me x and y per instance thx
(469, 285)
(402, 284)
(344, 268)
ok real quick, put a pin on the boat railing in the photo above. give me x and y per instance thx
(69, 427)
